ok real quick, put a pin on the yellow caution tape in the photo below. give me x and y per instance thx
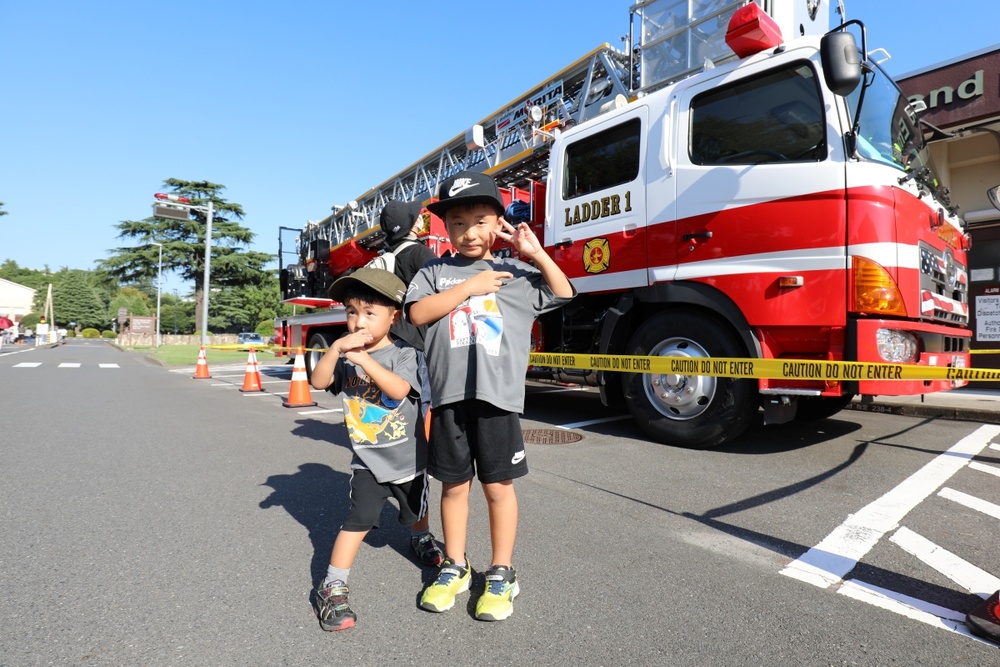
(784, 369)
(788, 369)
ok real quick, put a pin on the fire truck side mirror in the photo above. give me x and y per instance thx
(841, 62)
(994, 195)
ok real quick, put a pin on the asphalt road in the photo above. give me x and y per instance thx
(151, 519)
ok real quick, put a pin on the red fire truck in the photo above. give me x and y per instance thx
(740, 183)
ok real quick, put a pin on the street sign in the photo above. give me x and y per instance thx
(142, 325)
(171, 212)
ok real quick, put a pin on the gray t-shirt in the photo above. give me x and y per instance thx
(387, 437)
(480, 349)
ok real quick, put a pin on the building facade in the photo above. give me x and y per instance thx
(963, 99)
(15, 300)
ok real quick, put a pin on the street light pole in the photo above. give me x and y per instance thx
(159, 285)
(208, 264)
(178, 209)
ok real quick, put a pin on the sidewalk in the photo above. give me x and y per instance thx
(965, 404)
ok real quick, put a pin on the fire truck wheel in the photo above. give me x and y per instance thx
(812, 408)
(317, 341)
(693, 411)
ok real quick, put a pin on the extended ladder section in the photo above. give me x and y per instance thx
(511, 143)
(678, 38)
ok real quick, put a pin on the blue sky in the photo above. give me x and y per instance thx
(294, 106)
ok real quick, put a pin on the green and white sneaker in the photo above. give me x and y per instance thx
(451, 580)
(497, 601)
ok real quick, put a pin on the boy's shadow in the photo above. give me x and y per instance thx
(318, 497)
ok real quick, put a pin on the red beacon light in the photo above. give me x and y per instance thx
(751, 31)
(177, 198)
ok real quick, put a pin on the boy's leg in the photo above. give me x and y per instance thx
(502, 504)
(455, 518)
(332, 604)
(497, 601)
(455, 573)
(368, 497)
(346, 547)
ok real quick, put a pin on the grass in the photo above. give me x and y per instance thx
(187, 355)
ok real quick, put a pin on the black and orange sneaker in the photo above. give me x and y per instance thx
(332, 607)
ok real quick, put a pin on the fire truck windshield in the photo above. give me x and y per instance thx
(887, 129)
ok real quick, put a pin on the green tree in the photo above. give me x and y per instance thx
(133, 300)
(184, 245)
(74, 299)
(2, 212)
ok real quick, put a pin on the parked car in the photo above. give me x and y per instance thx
(250, 339)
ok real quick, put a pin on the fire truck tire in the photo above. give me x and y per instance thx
(317, 341)
(692, 411)
(815, 408)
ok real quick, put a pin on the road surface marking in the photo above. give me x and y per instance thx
(108, 366)
(925, 612)
(28, 364)
(69, 364)
(826, 563)
(962, 572)
(982, 467)
(590, 422)
(971, 502)
(318, 412)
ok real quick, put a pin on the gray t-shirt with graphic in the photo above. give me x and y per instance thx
(387, 436)
(480, 349)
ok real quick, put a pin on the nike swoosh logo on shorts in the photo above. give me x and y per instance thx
(518, 457)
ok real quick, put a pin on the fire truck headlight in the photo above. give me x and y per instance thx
(896, 347)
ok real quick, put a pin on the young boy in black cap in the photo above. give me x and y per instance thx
(479, 311)
(400, 223)
(378, 378)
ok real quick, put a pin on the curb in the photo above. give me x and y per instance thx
(958, 413)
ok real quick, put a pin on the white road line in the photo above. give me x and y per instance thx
(589, 422)
(108, 366)
(982, 467)
(826, 563)
(318, 412)
(27, 364)
(971, 502)
(962, 572)
(925, 612)
(69, 364)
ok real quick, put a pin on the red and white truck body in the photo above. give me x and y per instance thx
(757, 207)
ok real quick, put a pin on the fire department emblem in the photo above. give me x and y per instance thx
(596, 255)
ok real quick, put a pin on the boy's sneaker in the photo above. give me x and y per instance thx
(427, 549)
(497, 601)
(451, 580)
(332, 607)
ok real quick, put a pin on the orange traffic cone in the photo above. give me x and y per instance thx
(298, 392)
(201, 370)
(251, 380)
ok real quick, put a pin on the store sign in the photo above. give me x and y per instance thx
(960, 93)
(988, 315)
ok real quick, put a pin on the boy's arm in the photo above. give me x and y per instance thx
(527, 245)
(433, 307)
(322, 375)
(391, 384)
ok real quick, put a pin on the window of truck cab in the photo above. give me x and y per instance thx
(774, 117)
(602, 160)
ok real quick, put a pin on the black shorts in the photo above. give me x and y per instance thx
(368, 496)
(475, 438)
